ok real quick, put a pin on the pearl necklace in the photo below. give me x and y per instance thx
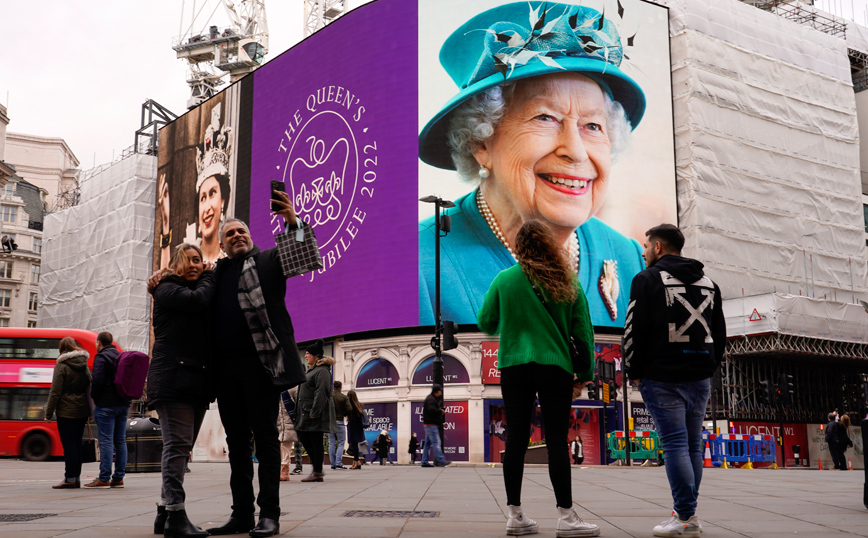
(573, 248)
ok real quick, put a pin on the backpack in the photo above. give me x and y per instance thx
(131, 371)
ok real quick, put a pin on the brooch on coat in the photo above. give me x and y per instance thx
(609, 287)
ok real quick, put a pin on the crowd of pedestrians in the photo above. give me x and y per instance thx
(222, 331)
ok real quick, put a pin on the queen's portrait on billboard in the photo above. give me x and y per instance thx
(541, 115)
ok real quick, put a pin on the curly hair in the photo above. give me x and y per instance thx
(475, 121)
(179, 263)
(545, 262)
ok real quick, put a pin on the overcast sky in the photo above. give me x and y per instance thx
(81, 70)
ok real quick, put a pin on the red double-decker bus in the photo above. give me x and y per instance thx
(27, 358)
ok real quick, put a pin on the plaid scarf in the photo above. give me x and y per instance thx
(252, 303)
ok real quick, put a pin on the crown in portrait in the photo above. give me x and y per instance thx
(212, 156)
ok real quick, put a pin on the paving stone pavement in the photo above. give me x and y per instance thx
(470, 499)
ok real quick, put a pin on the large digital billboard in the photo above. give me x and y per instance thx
(513, 110)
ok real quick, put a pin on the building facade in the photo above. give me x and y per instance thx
(45, 162)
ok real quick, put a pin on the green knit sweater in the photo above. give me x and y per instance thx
(528, 333)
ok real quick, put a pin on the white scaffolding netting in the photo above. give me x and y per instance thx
(767, 152)
(98, 255)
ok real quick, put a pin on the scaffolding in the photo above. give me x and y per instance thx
(803, 13)
(319, 13)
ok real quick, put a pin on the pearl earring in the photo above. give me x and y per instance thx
(483, 172)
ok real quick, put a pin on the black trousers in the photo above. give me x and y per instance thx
(520, 386)
(312, 442)
(71, 431)
(247, 401)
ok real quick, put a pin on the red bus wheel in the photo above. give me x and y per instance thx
(36, 447)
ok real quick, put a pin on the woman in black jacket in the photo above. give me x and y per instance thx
(355, 428)
(316, 408)
(178, 377)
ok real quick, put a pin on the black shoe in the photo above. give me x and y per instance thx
(266, 527)
(426, 465)
(297, 470)
(235, 525)
(178, 526)
(444, 464)
(160, 521)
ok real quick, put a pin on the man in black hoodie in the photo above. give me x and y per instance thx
(110, 415)
(674, 339)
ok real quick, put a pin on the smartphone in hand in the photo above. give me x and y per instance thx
(275, 186)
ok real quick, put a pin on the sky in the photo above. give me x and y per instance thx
(81, 70)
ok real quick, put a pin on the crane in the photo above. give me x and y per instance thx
(318, 13)
(212, 52)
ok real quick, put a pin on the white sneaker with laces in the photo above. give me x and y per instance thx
(519, 524)
(677, 527)
(570, 524)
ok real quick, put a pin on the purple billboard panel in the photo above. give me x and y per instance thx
(377, 373)
(383, 416)
(453, 371)
(334, 118)
(455, 431)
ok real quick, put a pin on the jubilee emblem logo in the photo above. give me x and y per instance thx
(328, 162)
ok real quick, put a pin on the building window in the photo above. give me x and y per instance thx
(5, 299)
(37, 245)
(10, 213)
(4, 322)
(9, 189)
(34, 273)
(31, 324)
(6, 269)
(34, 301)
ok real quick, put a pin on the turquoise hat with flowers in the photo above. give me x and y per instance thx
(527, 39)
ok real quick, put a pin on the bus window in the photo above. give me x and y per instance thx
(23, 403)
(29, 348)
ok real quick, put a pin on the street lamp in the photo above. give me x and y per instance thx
(441, 224)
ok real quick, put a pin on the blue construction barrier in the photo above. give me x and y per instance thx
(741, 448)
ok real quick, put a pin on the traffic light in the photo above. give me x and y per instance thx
(785, 388)
(765, 394)
(450, 328)
(613, 391)
(592, 390)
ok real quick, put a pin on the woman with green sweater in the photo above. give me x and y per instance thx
(534, 362)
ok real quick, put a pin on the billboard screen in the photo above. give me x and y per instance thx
(359, 124)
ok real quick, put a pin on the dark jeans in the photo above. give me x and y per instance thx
(678, 410)
(71, 432)
(312, 442)
(179, 426)
(838, 457)
(111, 423)
(521, 385)
(248, 410)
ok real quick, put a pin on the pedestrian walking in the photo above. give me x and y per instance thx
(179, 378)
(296, 446)
(535, 363)
(67, 398)
(412, 448)
(339, 438)
(673, 342)
(110, 414)
(381, 445)
(285, 432)
(355, 428)
(843, 441)
(316, 408)
(578, 451)
(433, 417)
(833, 441)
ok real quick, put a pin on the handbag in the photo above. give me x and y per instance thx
(298, 250)
(579, 358)
(366, 420)
(89, 448)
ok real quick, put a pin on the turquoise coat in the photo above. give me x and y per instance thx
(471, 256)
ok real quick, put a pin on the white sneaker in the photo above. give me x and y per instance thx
(519, 524)
(677, 527)
(570, 524)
